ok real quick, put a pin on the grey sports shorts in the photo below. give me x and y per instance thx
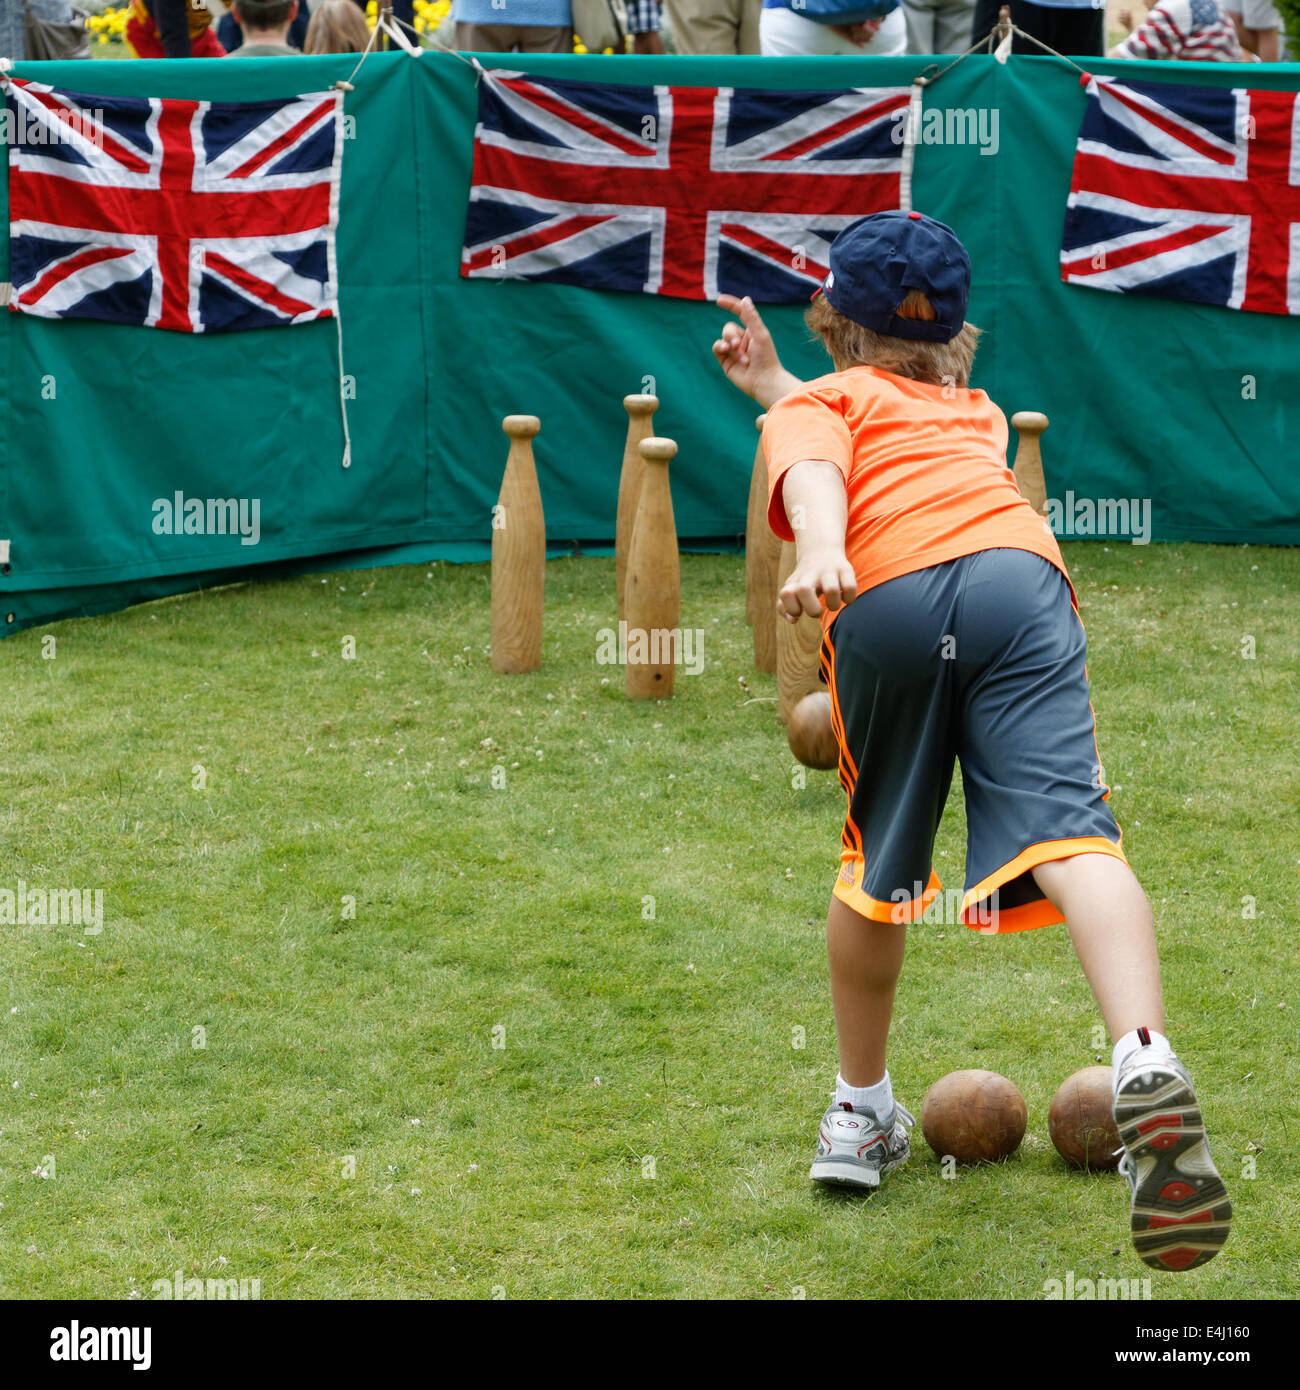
(980, 661)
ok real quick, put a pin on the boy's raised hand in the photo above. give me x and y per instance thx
(747, 355)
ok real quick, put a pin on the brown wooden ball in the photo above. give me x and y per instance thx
(1080, 1120)
(974, 1116)
(811, 732)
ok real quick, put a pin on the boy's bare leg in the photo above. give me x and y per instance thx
(865, 959)
(1179, 1208)
(1113, 935)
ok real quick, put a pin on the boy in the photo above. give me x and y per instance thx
(950, 631)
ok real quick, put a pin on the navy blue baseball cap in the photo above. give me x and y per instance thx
(877, 259)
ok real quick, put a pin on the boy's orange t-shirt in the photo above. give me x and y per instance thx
(927, 477)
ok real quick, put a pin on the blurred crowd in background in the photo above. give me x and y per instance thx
(1188, 30)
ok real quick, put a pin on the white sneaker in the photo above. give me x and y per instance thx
(854, 1149)
(1180, 1212)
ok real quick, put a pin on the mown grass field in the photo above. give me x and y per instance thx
(555, 1051)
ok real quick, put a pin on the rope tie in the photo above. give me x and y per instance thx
(1002, 34)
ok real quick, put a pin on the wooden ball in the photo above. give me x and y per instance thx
(1081, 1121)
(974, 1116)
(811, 732)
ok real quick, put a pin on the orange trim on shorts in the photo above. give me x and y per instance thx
(907, 910)
(1012, 919)
(851, 837)
(1033, 914)
(1101, 771)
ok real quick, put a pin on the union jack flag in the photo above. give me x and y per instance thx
(199, 216)
(1188, 193)
(683, 191)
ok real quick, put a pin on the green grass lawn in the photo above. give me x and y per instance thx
(636, 917)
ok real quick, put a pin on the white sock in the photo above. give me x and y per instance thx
(1130, 1043)
(879, 1098)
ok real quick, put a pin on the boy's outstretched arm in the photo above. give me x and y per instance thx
(748, 356)
(817, 508)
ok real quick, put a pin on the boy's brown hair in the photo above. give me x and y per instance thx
(852, 345)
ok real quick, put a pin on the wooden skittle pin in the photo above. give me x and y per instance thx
(653, 592)
(639, 410)
(518, 555)
(762, 556)
(1029, 424)
(798, 648)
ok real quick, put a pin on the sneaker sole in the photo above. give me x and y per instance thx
(1181, 1215)
(846, 1172)
(837, 1172)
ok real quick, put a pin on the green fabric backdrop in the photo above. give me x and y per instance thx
(96, 421)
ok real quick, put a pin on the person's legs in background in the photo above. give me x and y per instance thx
(984, 18)
(698, 26)
(545, 38)
(1076, 33)
(715, 26)
(952, 26)
(513, 38)
(919, 16)
(747, 33)
(486, 38)
(939, 26)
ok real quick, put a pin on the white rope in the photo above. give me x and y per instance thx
(911, 131)
(345, 84)
(1003, 51)
(343, 391)
(923, 78)
(1003, 31)
(393, 29)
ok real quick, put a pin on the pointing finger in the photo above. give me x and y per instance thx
(753, 321)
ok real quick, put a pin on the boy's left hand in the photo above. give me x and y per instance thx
(748, 356)
(822, 575)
